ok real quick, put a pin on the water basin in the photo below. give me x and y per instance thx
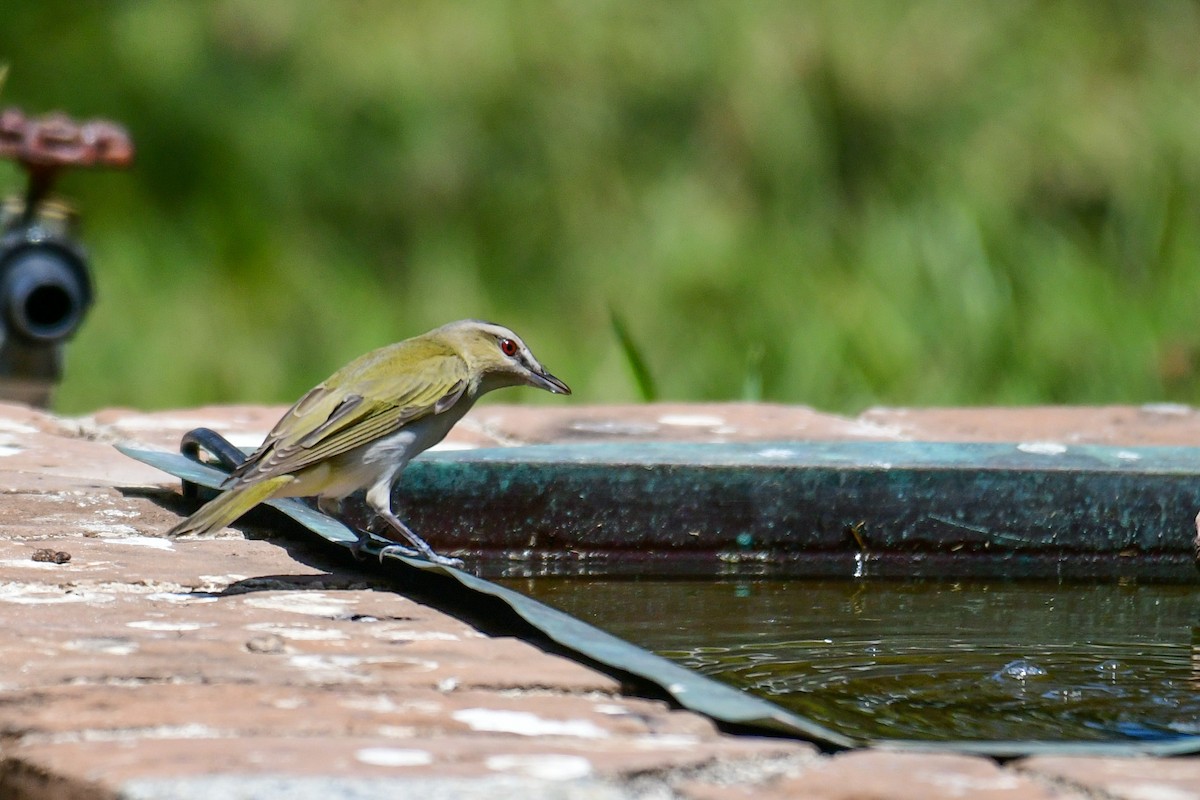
(925, 660)
(853, 591)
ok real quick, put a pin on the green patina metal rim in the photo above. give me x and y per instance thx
(801, 509)
(689, 689)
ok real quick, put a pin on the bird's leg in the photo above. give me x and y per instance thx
(417, 542)
(372, 528)
(379, 498)
(362, 524)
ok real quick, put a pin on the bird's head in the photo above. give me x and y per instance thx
(497, 357)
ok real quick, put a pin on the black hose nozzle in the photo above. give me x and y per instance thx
(44, 289)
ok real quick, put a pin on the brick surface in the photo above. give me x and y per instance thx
(1126, 778)
(865, 775)
(1151, 424)
(130, 663)
(1154, 424)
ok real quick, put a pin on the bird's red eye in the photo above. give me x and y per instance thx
(508, 347)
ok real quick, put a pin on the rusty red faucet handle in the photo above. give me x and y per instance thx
(56, 140)
(44, 145)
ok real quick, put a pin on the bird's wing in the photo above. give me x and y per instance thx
(329, 422)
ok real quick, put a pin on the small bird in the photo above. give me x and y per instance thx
(361, 426)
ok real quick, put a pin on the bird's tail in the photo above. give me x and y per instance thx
(226, 507)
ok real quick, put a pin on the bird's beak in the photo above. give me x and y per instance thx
(544, 380)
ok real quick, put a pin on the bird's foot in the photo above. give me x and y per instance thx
(399, 550)
(420, 545)
(356, 549)
(430, 556)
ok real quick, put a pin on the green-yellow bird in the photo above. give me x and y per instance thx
(362, 425)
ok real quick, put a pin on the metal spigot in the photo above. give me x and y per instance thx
(45, 284)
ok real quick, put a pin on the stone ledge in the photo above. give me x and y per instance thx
(144, 668)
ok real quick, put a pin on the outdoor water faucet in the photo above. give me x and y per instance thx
(45, 285)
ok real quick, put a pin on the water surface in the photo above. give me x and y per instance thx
(925, 660)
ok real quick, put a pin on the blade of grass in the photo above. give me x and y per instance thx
(634, 358)
(752, 384)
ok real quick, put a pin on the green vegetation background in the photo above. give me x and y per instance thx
(833, 203)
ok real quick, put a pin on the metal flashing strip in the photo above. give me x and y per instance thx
(690, 689)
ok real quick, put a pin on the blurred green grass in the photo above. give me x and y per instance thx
(830, 203)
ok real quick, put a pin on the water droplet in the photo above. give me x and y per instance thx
(1019, 670)
(1064, 695)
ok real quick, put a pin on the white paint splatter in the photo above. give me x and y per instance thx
(220, 580)
(29, 563)
(545, 766)
(1151, 791)
(182, 598)
(397, 731)
(70, 494)
(691, 420)
(666, 741)
(341, 668)
(378, 704)
(523, 723)
(454, 446)
(393, 757)
(289, 703)
(1167, 409)
(192, 730)
(163, 625)
(314, 604)
(325, 667)
(1042, 448)
(111, 646)
(298, 632)
(387, 704)
(123, 534)
(409, 635)
(866, 428)
(110, 530)
(38, 594)
(613, 428)
(961, 785)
